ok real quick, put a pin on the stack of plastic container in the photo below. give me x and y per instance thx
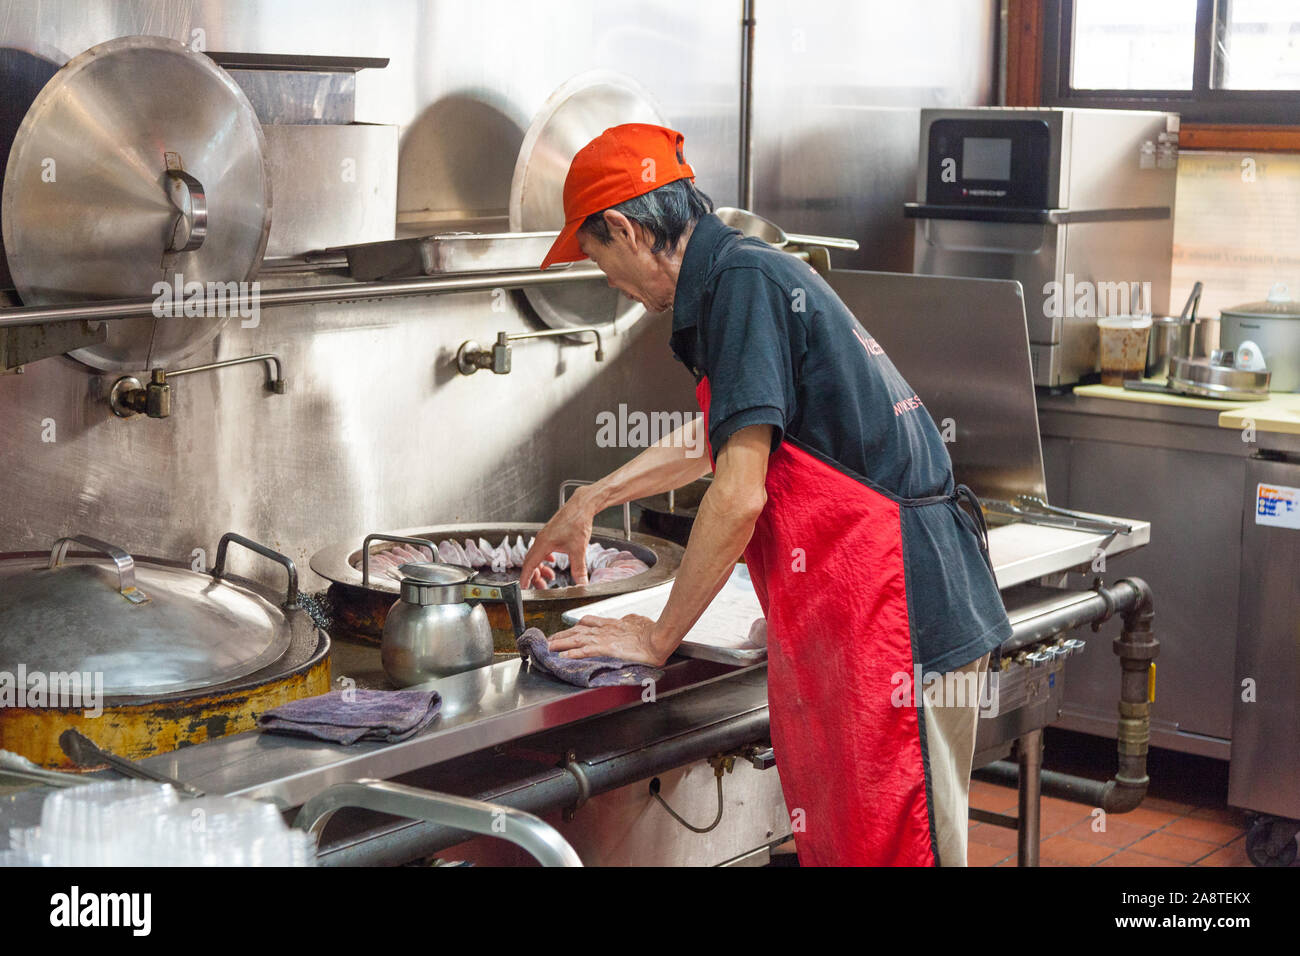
(137, 823)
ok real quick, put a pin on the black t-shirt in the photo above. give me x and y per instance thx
(779, 348)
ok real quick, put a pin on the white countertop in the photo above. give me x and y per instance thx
(1024, 552)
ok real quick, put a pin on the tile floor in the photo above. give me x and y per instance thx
(1158, 833)
(1185, 819)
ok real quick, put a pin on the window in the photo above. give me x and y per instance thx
(1213, 61)
(1258, 46)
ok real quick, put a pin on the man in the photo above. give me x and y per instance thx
(830, 477)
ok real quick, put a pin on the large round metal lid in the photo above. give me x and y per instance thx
(119, 159)
(575, 114)
(148, 628)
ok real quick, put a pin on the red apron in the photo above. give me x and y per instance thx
(826, 559)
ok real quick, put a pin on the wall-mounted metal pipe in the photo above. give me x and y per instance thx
(745, 192)
(334, 292)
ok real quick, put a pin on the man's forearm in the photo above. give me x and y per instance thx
(723, 526)
(674, 461)
(718, 539)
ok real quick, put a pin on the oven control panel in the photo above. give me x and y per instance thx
(988, 162)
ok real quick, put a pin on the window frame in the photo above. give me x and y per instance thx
(1038, 33)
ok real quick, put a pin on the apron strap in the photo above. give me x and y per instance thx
(964, 493)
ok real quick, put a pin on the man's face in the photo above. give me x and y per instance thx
(629, 265)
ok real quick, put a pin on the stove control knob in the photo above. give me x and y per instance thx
(1039, 658)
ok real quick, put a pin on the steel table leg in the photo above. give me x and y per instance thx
(1030, 752)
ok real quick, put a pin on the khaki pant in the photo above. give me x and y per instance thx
(950, 741)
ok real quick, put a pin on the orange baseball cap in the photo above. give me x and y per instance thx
(621, 163)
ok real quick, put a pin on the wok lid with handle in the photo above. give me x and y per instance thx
(581, 109)
(149, 628)
(139, 161)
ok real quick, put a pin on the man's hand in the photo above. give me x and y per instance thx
(627, 638)
(569, 531)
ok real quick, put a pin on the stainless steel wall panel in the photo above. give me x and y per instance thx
(333, 185)
(838, 89)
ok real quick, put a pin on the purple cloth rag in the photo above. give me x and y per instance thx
(584, 671)
(388, 715)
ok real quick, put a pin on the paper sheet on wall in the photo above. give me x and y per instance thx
(1235, 227)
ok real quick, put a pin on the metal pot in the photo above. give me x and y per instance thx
(1274, 325)
(178, 656)
(1173, 337)
(432, 630)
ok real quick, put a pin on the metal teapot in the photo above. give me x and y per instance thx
(432, 630)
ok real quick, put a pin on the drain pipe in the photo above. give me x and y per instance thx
(745, 191)
(1137, 647)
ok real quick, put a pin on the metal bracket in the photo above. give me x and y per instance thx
(584, 785)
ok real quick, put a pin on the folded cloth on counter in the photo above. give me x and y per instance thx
(388, 715)
(584, 671)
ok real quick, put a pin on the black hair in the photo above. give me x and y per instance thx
(665, 213)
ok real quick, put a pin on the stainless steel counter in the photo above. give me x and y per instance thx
(482, 708)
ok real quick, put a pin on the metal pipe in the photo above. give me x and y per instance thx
(1043, 626)
(274, 381)
(504, 338)
(114, 309)
(554, 790)
(1137, 647)
(522, 829)
(1030, 756)
(746, 164)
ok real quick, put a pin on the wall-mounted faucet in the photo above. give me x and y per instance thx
(131, 397)
(471, 356)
